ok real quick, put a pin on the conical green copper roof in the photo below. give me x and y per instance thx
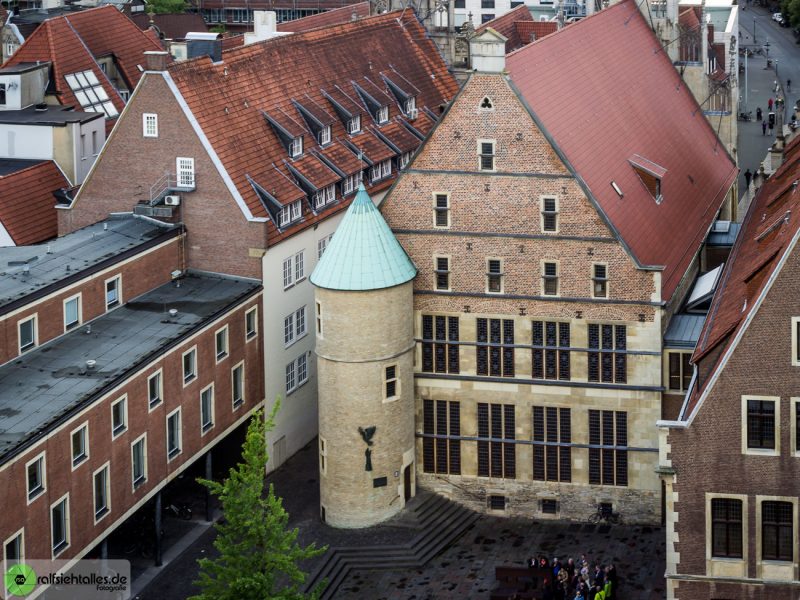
(363, 254)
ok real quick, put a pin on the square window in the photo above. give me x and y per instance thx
(189, 365)
(119, 417)
(36, 477)
(237, 385)
(155, 389)
(251, 323)
(101, 493)
(113, 292)
(207, 409)
(174, 434)
(549, 506)
(72, 312)
(27, 334)
(497, 502)
(494, 276)
(59, 522)
(599, 281)
(80, 445)
(139, 461)
(221, 343)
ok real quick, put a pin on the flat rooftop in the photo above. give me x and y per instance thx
(46, 385)
(52, 116)
(8, 166)
(25, 270)
(22, 67)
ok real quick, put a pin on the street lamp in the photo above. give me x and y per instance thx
(754, 31)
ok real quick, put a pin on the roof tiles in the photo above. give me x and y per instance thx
(27, 204)
(517, 26)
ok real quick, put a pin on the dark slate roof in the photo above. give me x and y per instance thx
(683, 331)
(71, 254)
(52, 116)
(724, 238)
(45, 386)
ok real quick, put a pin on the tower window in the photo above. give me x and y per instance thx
(391, 383)
(599, 281)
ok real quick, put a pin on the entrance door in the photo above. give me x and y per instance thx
(407, 483)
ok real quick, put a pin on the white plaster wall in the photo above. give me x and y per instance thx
(26, 141)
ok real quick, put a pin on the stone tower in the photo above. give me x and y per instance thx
(365, 345)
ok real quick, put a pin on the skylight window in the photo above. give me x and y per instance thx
(90, 93)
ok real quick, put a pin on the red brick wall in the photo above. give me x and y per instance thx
(119, 181)
(707, 455)
(139, 275)
(60, 477)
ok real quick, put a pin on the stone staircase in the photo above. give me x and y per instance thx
(440, 521)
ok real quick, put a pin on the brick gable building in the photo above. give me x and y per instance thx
(729, 461)
(550, 261)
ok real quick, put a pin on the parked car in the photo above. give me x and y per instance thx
(777, 17)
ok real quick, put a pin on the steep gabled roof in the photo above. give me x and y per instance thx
(616, 95)
(27, 204)
(73, 42)
(327, 18)
(364, 254)
(517, 26)
(772, 221)
(230, 99)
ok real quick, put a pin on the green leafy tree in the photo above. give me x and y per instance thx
(258, 554)
(790, 9)
(167, 6)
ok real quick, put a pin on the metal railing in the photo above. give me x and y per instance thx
(169, 182)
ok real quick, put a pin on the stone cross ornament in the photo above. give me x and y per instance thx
(366, 435)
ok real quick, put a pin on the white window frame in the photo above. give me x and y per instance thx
(43, 476)
(302, 374)
(118, 286)
(762, 451)
(250, 335)
(325, 196)
(7, 564)
(299, 266)
(238, 366)
(386, 168)
(288, 330)
(35, 331)
(324, 136)
(220, 356)
(179, 448)
(296, 147)
(285, 216)
(124, 401)
(150, 125)
(206, 427)
(290, 379)
(493, 155)
(184, 172)
(150, 404)
(56, 552)
(297, 210)
(85, 456)
(135, 484)
(288, 272)
(300, 323)
(795, 342)
(106, 467)
(79, 299)
(410, 105)
(404, 159)
(193, 376)
(354, 124)
(322, 245)
(382, 115)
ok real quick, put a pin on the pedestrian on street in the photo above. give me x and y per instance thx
(763, 127)
(769, 104)
(747, 177)
(788, 85)
(758, 113)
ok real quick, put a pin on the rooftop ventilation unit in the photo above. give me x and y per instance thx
(172, 200)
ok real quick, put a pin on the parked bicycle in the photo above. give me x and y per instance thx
(606, 513)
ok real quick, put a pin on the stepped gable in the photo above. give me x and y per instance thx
(247, 101)
(657, 127)
(767, 234)
(27, 204)
(364, 254)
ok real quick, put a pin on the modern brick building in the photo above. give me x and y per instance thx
(554, 239)
(259, 153)
(120, 368)
(729, 460)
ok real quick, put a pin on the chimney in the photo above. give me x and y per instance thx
(265, 26)
(487, 52)
(155, 60)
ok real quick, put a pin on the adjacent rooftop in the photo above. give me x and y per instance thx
(48, 384)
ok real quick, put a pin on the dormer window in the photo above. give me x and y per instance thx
(351, 183)
(324, 135)
(296, 147)
(324, 196)
(650, 174)
(354, 124)
(382, 115)
(410, 107)
(380, 171)
(290, 213)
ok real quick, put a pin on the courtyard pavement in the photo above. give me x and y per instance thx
(464, 570)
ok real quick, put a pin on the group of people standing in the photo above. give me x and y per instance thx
(573, 580)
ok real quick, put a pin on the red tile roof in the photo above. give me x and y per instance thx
(327, 18)
(331, 58)
(639, 101)
(772, 220)
(72, 42)
(27, 204)
(172, 26)
(517, 26)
